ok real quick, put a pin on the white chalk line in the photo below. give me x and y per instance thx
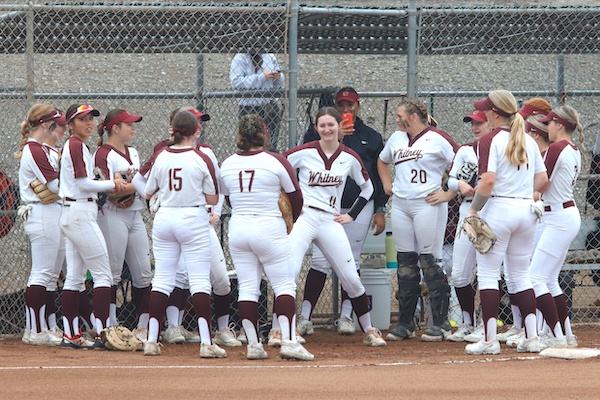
(300, 366)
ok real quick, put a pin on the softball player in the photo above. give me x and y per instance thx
(420, 153)
(85, 244)
(367, 143)
(561, 224)
(463, 252)
(253, 180)
(511, 168)
(187, 182)
(41, 224)
(120, 217)
(324, 167)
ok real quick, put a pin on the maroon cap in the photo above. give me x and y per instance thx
(529, 110)
(477, 116)
(488, 104)
(61, 119)
(553, 117)
(81, 112)
(200, 115)
(125, 116)
(45, 118)
(348, 96)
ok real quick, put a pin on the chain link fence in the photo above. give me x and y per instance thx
(152, 59)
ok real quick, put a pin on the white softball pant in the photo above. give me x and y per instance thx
(127, 241)
(463, 253)
(85, 246)
(219, 279)
(329, 236)
(181, 232)
(417, 220)
(43, 229)
(514, 225)
(260, 240)
(356, 231)
(561, 227)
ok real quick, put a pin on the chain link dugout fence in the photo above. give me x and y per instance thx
(151, 60)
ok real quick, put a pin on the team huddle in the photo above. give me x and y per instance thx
(82, 211)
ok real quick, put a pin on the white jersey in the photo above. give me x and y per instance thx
(420, 162)
(53, 156)
(322, 178)
(253, 181)
(183, 176)
(35, 164)
(563, 162)
(512, 181)
(206, 149)
(110, 160)
(465, 154)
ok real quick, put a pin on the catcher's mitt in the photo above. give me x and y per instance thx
(43, 193)
(120, 338)
(479, 233)
(468, 173)
(123, 201)
(102, 196)
(285, 206)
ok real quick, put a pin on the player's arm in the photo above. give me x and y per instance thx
(385, 175)
(483, 193)
(366, 191)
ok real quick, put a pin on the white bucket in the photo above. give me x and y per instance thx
(378, 287)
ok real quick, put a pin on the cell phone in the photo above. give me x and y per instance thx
(347, 119)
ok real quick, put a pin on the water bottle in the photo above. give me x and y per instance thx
(390, 251)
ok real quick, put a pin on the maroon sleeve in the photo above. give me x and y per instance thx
(552, 155)
(144, 169)
(41, 160)
(211, 168)
(76, 150)
(100, 160)
(355, 155)
(446, 136)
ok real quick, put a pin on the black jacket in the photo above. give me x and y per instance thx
(367, 143)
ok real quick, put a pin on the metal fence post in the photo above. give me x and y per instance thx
(293, 74)
(560, 79)
(29, 51)
(411, 58)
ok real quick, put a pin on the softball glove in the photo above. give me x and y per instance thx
(120, 338)
(479, 233)
(43, 193)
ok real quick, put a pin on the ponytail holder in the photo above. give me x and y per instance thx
(182, 131)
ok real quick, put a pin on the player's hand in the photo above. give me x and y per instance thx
(472, 213)
(271, 75)
(378, 224)
(120, 185)
(466, 189)
(342, 218)
(388, 189)
(213, 218)
(438, 197)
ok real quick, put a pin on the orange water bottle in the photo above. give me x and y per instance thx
(390, 251)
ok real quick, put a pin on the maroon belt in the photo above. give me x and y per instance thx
(89, 199)
(317, 208)
(566, 204)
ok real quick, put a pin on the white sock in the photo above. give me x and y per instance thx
(491, 329)
(517, 317)
(306, 309)
(275, 322)
(172, 316)
(250, 330)
(27, 320)
(43, 322)
(365, 321)
(204, 331)
(143, 320)
(153, 330)
(286, 327)
(467, 320)
(180, 317)
(223, 322)
(530, 326)
(112, 315)
(557, 331)
(568, 331)
(52, 321)
(346, 309)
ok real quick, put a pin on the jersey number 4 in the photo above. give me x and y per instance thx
(247, 176)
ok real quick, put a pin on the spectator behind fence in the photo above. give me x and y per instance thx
(254, 71)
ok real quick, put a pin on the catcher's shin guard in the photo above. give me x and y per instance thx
(409, 288)
(439, 290)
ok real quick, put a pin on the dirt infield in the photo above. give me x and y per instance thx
(343, 368)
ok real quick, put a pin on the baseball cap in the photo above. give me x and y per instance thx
(553, 117)
(200, 115)
(488, 104)
(477, 116)
(535, 106)
(80, 112)
(61, 119)
(347, 95)
(125, 116)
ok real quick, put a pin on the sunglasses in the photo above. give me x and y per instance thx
(82, 109)
(48, 117)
